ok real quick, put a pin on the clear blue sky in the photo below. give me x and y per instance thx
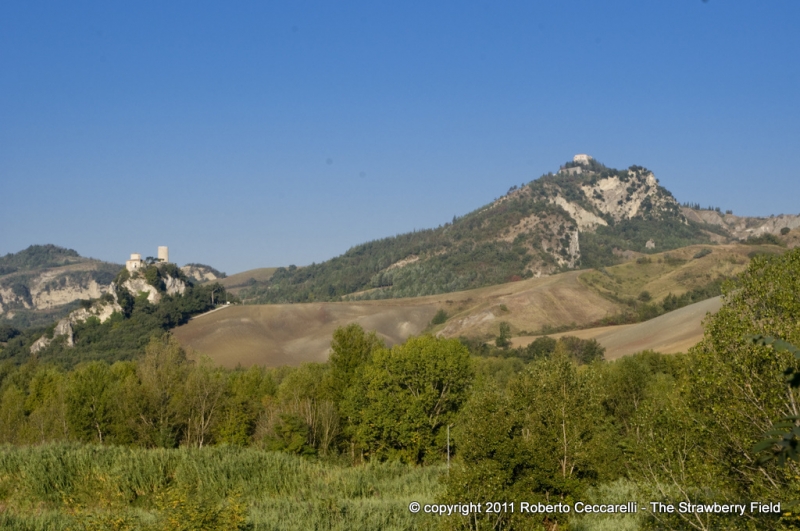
(252, 134)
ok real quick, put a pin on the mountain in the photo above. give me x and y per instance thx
(44, 282)
(585, 215)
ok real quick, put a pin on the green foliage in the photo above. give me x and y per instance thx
(7, 332)
(783, 441)
(351, 349)
(504, 337)
(71, 487)
(785, 231)
(439, 318)
(37, 256)
(597, 249)
(764, 239)
(702, 253)
(407, 396)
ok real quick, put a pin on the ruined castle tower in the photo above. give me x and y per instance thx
(163, 253)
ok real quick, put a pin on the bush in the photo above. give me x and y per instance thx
(764, 239)
(702, 253)
(785, 231)
(439, 318)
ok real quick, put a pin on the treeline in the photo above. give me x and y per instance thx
(367, 403)
(37, 256)
(597, 248)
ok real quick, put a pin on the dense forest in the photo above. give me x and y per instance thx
(479, 249)
(161, 441)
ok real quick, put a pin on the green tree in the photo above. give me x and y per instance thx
(406, 397)
(162, 373)
(503, 339)
(90, 402)
(351, 348)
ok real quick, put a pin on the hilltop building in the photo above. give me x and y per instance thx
(578, 161)
(136, 261)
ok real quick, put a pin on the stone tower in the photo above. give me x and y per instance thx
(163, 253)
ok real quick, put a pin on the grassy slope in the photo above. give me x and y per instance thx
(673, 272)
(235, 283)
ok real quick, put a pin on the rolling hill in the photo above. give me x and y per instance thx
(278, 334)
(43, 283)
(584, 216)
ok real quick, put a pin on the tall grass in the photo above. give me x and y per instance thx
(104, 487)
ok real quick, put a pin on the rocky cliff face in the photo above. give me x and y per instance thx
(51, 288)
(201, 273)
(104, 308)
(100, 309)
(591, 198)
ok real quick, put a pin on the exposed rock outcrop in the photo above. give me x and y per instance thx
(743, 227)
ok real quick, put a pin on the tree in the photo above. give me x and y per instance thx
(90, 402)
(351, 347)
(202, 400)
(162, 374)
(502, 340)
(407, 395)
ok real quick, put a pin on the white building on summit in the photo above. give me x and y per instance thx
(136, 261)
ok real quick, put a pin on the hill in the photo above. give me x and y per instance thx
(236, 283)
(44, 282)
(279, 334)
(584, 216)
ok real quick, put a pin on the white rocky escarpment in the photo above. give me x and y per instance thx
(138, 285)
(626, 199)
(102, 310)
(586, 220)
(51, 289)
(199, 273)
(743, 227)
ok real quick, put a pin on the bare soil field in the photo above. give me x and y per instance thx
(670, 333)
(290, 334)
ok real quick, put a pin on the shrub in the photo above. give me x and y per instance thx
(785, 231)
(439, 318)
(702, 253)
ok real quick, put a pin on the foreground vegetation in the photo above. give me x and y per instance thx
(553, 424)
(89, 487)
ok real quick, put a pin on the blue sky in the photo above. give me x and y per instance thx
(253, 134)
